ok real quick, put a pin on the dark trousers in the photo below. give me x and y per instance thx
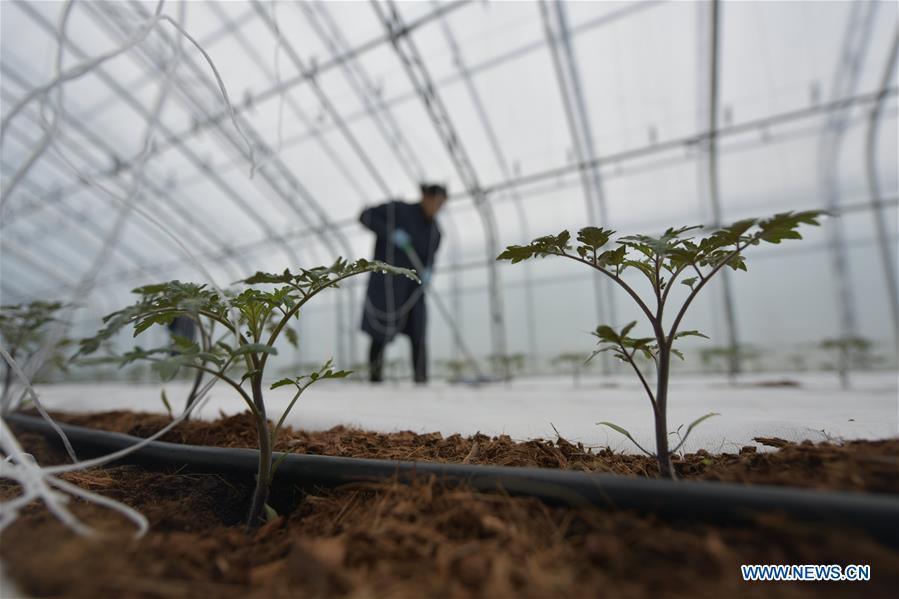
(419, 359)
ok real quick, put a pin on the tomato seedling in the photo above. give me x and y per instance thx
(23, 330)
(252, 319)
(662, 261)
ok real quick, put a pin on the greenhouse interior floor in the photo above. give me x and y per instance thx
(793, 406)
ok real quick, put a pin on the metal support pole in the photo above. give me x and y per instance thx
(499, 155)
(727, 297)
(576, 115)
(887, 250)
(854, 48)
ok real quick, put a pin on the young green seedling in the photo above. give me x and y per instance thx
(662, 261)
(716, 359)
(253, 319)
(575, 362)
(455, 368)
(849, 353)
(23, 329)
(508, 364)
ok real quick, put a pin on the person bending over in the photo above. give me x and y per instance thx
(407, 235)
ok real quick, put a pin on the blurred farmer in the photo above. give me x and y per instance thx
(183, 326)
(407, 236)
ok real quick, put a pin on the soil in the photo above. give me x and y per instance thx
(430, 539)
(870, 466)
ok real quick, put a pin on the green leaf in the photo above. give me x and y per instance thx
(167, 369)
(690, 334)
(283, 383)
(690, 282)
(292, 337)
(690, 428)
(255, 348)
(336, 374)
(151, 289)
(146, 323)
(607, 334)
(267, 277)
(737, 263)
(643, 267)
(541, 247)
(783, 226)
(624, 432)
(168, 406)
(612, 257)
(248, 374)
(270, 513)
(594, 238)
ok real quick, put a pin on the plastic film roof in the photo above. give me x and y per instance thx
(572, 114)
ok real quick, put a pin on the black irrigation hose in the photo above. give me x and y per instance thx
(877, 514)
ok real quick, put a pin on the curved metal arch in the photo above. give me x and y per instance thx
(320, 19)
(104, 146)
(101, 73)
(887, 256)
(579, 128)
(288, 99)
(709, 51)
(86, 223)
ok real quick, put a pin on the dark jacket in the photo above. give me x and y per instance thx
(396, 304)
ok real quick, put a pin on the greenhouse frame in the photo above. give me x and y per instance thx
(163, 163)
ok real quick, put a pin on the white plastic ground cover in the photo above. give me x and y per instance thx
(536, 407)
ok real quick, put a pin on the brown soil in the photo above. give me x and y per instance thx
(870, 466)
(391, 540)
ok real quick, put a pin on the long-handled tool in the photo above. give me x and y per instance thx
(457, 336)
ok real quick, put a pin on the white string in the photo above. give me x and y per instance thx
(37, 482)
(37, 402)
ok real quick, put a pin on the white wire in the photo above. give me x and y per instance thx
(37, 482)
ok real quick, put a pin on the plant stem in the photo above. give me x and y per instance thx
(666, 469)
(260, 494)
(192, 396)
(7, 385)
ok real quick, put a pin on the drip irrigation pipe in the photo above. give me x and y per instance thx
(876, 514)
